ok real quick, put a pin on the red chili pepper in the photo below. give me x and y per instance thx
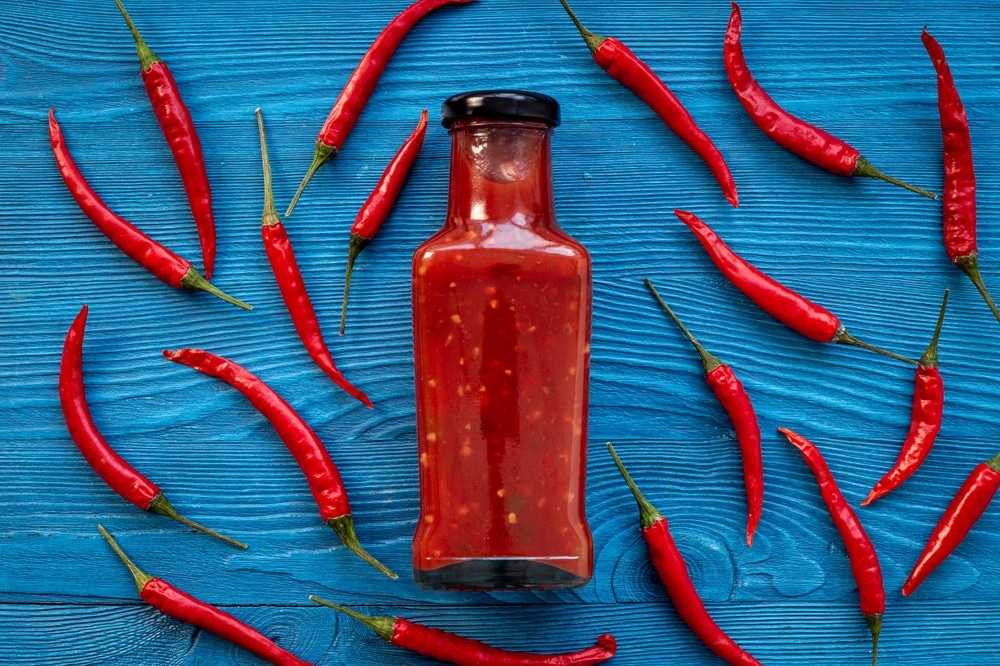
(302, 441)
(791, 309)
(116, 472)
(361, 85)
(791, 133)
(925, 419)
(962, 513)
(860, 551)
(628, 69)
(380, 202)
(959, 193)
(448, 647)
(673, 573)
(179, 131)
(286, 271)
(155, 258)
(180, 605)
(733, 397)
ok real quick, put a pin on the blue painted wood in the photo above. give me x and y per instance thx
(868, 251)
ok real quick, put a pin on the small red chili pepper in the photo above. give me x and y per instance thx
(361, 85)
(302, 441)
(179, 131)
(380, 202)
(180, 605)
(925, 419)
(959, 193)
(790, 308)
(116, 472)
(673, 573)
(860, 551)
(281, 256)
(791, 133)
(962, 513)
(729, 391)
(155, 258)
(448, 647)
(628, 69)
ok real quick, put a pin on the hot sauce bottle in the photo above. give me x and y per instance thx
(501, 328)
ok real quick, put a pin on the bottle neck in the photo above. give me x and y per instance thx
(501, 172)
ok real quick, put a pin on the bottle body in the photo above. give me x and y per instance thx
(501, 323)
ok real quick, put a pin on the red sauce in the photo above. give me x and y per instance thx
(501, 315)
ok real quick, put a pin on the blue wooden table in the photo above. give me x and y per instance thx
(867, 250)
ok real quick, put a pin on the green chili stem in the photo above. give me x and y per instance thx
(161, 505)
(141, 577)
(146, 55)
(930, 357)
(709, 361)
(845, 338)
(344, 527)
(647, 512)
(357, 243)
(969, 265)
(875, 626)
(195, 280)
(270, 216)
(322, 154)
(593, 39)
(382, 625)
(865, 168)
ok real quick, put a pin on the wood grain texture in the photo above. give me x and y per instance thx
(866, 250)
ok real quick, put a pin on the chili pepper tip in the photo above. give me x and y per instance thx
(161, 505)
(383, 625)
(140, 576)
(344, 527)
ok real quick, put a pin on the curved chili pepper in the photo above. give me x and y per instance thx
(281, 256)
(180, 605)
(791, 309)
(155, 258)
(925, 419)
(673, 573)
(860, 551)
(116, 472)
(302, 441)
(791, 133)
(179, 131)
(969, 503)
(361, 85)
(380, 202)
(628, 69)
(729, 391)
(959, 193)
(445, 646)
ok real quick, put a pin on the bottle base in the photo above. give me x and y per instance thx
(497, 574)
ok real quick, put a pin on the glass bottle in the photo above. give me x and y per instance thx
(501, 328)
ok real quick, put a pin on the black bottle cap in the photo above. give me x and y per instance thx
(501, 104)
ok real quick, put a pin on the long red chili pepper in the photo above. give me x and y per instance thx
(361, 85)
(969, 503)
(179, 131)
(448, 647)
(729, 391)
(180, 605)
(116, 472)
(302, 441)
(860, 551)
(281, 256)
(380, 202)
(628, 69)
(794, 134)
(959, 193)
(155, 258)
(790, 308)
(925, 418)
(673, 573)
